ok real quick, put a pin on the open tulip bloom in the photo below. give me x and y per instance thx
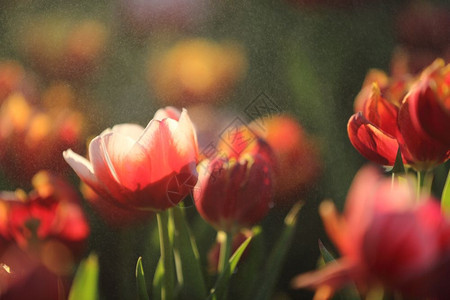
(136, 167)
(146, 169)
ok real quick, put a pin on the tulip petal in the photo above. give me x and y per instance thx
(381, 113)
(185, 142)
(167, 112)
(136, 169)
(254, 195)
(106, 153)
(133, 131)
(371, 142)
(81, 166)
(237, 179)
(429, 114)
(359, 207)
(211, 184)
(157, 139)
(334, 275)
(424, 152)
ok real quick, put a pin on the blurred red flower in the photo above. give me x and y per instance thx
(42, 235)
(32, 137)
(234, 191)
(384, 125)
(386, 236)
(296, 156)
(148, 169)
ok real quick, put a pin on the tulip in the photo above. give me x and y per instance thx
(42, 235)
(374, 133)
(385, 235)
(429, 104)
(234, 193)
(419, 126)
(32, 137)
(148, 169)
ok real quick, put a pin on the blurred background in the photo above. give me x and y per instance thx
(69, 69)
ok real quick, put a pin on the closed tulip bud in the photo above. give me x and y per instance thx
(233, 193)
(42, 236)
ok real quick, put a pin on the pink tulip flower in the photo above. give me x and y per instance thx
(149, 169)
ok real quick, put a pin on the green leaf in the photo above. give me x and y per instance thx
(219, 291)
(327, 256)
(348, 292)
(398, 165)
(245, 279)
(140, 281)
(187, 261)
(85, 283)
(157, 280)
(274, 263)
(165, 229)
(445, 199)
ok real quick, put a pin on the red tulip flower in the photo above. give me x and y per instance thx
(32, 137)
(234, 192)
(150, 169)
(429, 104)
(296, 161)
(386, 236)
(419, 125)
(42, 235)
(373, 132)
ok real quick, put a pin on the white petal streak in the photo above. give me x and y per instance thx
(167, 112)
(133, 131)
(81, 166)
(185, 138)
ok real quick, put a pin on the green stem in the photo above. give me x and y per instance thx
(226, 239)
(428, 182)
(392, 180)
(420, 177)
(168, 284)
